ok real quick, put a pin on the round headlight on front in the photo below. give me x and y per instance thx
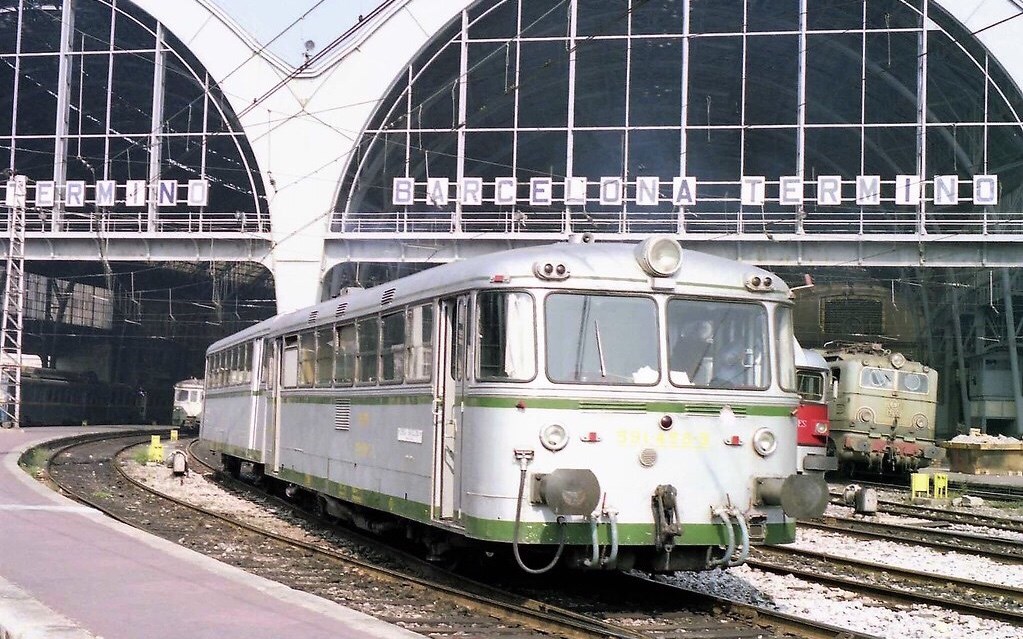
(764, 442)
(898, 360)
(865, 415)
(554, 437)
(920, 421)
(659, 256)
(821, 428)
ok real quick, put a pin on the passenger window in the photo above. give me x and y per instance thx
(246, 363)
(344, 356)
(419, 362)
(306, 358)
(289, 366)
(324, 356)
(392, 347)
(369, 340)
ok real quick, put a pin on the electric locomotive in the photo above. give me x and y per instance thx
(593, 405)
(882, 415)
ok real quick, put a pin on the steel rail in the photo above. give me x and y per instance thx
(797, 564)
(962, 542)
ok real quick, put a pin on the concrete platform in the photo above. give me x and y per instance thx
(69, 572)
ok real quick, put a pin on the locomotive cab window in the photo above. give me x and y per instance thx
(601, 339)
(913, 382)
(718, 344)
(879, 378)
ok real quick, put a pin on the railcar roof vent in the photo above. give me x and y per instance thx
(387, 297)
(312, 317)
(341, 308)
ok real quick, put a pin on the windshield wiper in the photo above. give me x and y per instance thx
(600, 350)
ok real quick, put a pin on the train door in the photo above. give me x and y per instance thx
(271, 389)
(448, 393)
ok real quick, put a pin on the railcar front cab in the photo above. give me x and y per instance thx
(815, 387)
(188, 402)
(571, 493)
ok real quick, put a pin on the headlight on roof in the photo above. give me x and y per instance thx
(759, 282)
(659, 256)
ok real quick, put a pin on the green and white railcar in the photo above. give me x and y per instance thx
(605, 405)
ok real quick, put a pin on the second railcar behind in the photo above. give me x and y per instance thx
(813, 425)
(188, 404)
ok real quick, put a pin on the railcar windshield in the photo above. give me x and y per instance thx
(718, 344)
(601, 339)
(811, 384)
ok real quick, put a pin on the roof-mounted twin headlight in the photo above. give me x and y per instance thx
(659, 256)
(758, 282)
(551, 271)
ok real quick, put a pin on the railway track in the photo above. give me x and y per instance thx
(950, 516)
(1012, 495)
(421, 598)
(1011, 522)
(957, 541)
(889, 582)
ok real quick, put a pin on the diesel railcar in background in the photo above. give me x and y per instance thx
(814, 383)
(597, 405)
(188, 404)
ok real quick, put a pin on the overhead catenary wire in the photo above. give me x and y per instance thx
(331, 210)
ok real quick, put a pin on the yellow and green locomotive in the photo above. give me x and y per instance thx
(882, 415)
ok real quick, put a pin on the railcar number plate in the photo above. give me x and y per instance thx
(671, 439)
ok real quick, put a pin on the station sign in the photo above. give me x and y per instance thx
(827, 190)
(132, 193)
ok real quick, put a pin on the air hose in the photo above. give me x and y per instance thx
(515, 533)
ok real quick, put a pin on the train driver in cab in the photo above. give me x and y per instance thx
(691, 350)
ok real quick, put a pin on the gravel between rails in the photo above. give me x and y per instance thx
(785, 593)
